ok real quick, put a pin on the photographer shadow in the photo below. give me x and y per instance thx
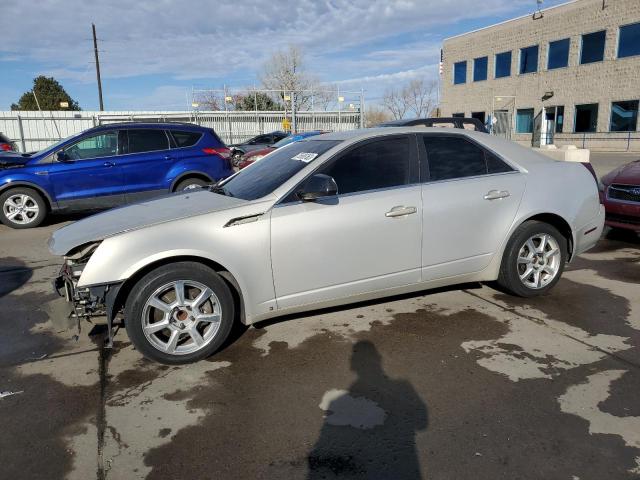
(369, 430)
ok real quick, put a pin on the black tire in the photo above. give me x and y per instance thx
(191, 183)
(509, 278)
(34, 201)
(145, 289)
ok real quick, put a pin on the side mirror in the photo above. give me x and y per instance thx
(61, 156)
(316, 187)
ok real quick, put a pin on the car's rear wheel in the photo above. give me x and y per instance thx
(534, 259)
(191, 184)
(179, 313)
(22, 208)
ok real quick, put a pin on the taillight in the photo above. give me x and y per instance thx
(224, 152)
(5, 147)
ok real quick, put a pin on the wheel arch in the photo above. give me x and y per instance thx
(190, 174)
(558, 222)
(25, 184)
(228, 277)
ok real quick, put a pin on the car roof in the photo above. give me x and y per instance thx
(151, 125)
(515, 153)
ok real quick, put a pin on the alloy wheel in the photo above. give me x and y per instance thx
(181, 317)
(21, 209)
(538, 261)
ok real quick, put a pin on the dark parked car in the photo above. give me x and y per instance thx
(620, 193)
(450, 122)
(256, 143)
(107, 166)
(7, 145)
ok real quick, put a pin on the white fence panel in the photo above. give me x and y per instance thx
(36, 130)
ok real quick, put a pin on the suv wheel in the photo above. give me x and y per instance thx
(22, 208)
(534, 259)
(179, 313)
(191, 184)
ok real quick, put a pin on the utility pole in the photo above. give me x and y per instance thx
(95, 50)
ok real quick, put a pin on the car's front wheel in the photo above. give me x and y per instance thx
(179, 313)
(22, 208)
(534, 259)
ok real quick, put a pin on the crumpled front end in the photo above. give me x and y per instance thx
(86, 303)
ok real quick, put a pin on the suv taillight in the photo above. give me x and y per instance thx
(224, 152)
(5, 147)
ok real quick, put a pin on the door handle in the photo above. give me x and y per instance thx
(109, 164)
(400, 211)
(496, 194)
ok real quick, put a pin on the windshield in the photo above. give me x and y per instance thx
(269, 173)
(51, 148)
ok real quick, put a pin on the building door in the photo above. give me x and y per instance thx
(548, 126)
(502, 123)
(537, 130)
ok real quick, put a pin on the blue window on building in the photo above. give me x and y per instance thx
(529, 59)
(558, 54)
(629, 40)
(524, 120)
(503, 65)
(459, 73)
(480, 69)
(592, 47)
(624, 116)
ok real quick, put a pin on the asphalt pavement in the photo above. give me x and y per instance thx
(463, 382)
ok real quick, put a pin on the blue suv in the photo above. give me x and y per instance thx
(107, 166)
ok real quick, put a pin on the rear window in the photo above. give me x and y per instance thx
(141, 140)
(185, 139)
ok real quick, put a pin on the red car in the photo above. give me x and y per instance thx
(249, 158)
(6, 145)
(620, 194)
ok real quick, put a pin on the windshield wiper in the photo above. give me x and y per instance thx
(215, 188)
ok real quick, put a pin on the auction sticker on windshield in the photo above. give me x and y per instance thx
(305, 157)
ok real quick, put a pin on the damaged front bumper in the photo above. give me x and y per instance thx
(88, 303)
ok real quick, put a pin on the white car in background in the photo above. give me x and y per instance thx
(326, 221)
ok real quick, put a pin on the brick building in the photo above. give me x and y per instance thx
(566, 74)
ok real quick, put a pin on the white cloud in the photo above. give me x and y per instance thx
(205, 41)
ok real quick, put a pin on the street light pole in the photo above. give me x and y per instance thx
(95, 51)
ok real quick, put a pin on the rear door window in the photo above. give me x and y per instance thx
(147, 140)
(185, 139)
(451, 157)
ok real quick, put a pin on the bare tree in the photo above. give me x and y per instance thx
(285, 71)
(395, 103)
(416, 97)
(419, 95)
(376, 115)
(209, 100)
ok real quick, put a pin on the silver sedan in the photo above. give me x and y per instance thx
(327, 221)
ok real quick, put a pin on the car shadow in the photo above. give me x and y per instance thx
(369, 431)
(367, 303)
(14, 273)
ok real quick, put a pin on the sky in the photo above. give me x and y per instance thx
(154, 52)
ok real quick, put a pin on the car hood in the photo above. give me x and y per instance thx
(139, 215)
(14, 159)
(627, 174)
